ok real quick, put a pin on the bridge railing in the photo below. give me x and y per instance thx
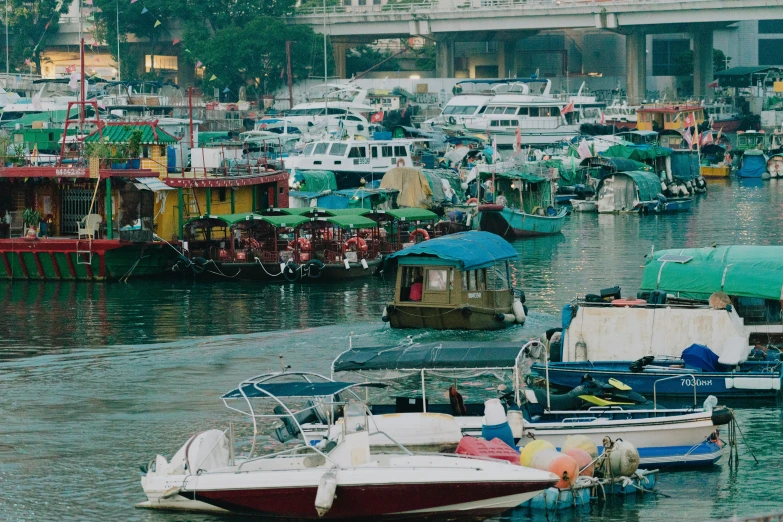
(430, 6)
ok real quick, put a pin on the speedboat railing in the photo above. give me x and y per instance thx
(679, 376)
(290, 450)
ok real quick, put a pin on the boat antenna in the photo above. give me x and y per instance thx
(283, 367)
(350, 340)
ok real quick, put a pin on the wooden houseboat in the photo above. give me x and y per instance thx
(668, 117)
(459, 281)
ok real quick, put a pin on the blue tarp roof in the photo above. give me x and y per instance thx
(470, 250)
(293, 389)
(453, 355)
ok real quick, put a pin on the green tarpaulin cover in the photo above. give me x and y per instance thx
(637, 152)
(315, 180)
(738, 270)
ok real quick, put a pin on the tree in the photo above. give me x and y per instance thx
(253, 55)
(31, 25)
(364, 57)
(719, 60)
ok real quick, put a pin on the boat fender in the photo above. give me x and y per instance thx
(506, 318)
(291, 272)
(551, 211)
(347, 264)
(519, 311)
(452, 120)
(391, 309)
(721, 415)
(472, 201)
(385, 315)
(282, 268)
(466, 312)
(469, 220)
(524, 307)
(400, 162)
(364, 264)
(623, 459)
(327, 490)
(520, 294)
(314, 267)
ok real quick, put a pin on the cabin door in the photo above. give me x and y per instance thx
(75, 204)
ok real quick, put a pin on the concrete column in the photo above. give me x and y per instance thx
(507, 59)
(702, 62)
(444, 59)
(338, 50)
(636, 66)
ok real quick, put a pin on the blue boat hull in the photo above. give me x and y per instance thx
(511, 223)
(677, 205)
(721, 384)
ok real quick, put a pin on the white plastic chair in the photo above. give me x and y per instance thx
(16, 223)
(89, 224)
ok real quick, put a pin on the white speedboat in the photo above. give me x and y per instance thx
(340, 108)
(663, 436)
(584, 205)
(338, 477)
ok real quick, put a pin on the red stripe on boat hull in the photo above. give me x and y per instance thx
(391, 501)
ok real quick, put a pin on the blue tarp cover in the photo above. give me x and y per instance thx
(753, 166)
(701, 357)
(471, 250)
(293, 389)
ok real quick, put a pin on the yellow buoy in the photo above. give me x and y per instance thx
(583, 443)
(530, 450)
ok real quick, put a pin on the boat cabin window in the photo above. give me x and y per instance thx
(524, 111)
(320, 148)
(510, 110)
(314, 112)
(333, 111)
(474, 280)
(387, 151)
(374, 152)
(338, 149)
(353, 118)
(437, 279)
(309, 149)
(409, 276)
(534, 112)
(357, 152)
(400, 150)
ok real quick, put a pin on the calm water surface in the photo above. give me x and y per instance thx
(96, 379)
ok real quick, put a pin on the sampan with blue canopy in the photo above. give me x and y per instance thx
(458, 281)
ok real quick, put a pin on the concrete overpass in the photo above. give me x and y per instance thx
(446, 21)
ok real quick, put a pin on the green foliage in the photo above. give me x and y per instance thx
(31, 217)
(426, 56)
(364, 57)
(97, 150)
(134, 143)
(27, 21)
(719, 60)
(17, 156)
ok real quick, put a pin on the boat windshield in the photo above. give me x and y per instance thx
(458, 110)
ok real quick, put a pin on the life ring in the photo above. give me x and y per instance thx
(400, 162)
(358, 243)
(328, 234)
(253, 243)
(472, 201)
(314, 267)
(452, 120)
(291, 272)
(420, 232)
(628, 302)
(304, 244)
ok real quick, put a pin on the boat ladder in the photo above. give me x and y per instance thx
(190, 202)
(84, 251)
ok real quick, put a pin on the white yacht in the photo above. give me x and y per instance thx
(621, 114)
(353, 160)
(587, 109)
(536, 116)
(342, 107)
(53, 96)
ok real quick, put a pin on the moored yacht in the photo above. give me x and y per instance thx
(341, 108)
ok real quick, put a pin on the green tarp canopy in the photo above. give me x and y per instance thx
(512, 175)
(350, 211)
(738, 270)
(567, 169)
(285, 221)
(226, 219)
(647, 183)
(640, 153)
(300, 211)
(352, 221)
(410, 214)
(434, 177)
(315, 180)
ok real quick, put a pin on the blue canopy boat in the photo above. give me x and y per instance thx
(754, 164)
(529, 209)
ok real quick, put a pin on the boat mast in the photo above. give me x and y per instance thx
(119, 63)
(326, 78)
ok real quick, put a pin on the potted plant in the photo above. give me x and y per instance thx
(134, 149)
(31, 219)
(100, 152)
(119, 158)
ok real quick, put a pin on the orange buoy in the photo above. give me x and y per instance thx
(561, 465)
(530, 450)
(583, 459)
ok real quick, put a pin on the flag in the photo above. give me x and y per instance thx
(213, 78)
(706, 137)
(689, 121)
(145, 10)
(157, 23)
(583, 149)
(688, 137)
(377, 117)
(27, 61)
(226, 90)
(719, 133)
(518, 138)
(713, 85)
(37, 102)
(101, 104)
(87, 2)
(47, 25)
(175, 42)
(199, 64)
(134, 1)
(568, 108)
(494, 149)
(603, 118)
(69, 69)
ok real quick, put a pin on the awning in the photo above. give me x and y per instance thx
(294, 389)
(154, 184)
(443, 356)
(408, 214)
(352, 221)
(470, 250)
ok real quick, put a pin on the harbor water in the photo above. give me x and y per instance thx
(96, 379)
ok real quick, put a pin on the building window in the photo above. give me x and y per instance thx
(771, 51)
(167, 63)
(770, 27)
(667, 54)
(145, 151)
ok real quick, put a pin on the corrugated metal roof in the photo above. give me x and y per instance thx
(744, 71)
(150, 135)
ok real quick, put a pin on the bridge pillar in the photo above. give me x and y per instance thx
(507, 59)
(338, 51)
(636, 66)
(444, 58)
(702, 62)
